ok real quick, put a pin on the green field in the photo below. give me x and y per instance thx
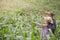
(16, 17)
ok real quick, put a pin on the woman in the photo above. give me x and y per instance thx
(48, 25)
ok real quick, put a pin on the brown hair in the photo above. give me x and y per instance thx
(52, 15)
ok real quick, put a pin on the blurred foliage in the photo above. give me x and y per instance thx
(15, 26)
(16, 17)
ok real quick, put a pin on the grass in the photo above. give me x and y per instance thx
(16, 17)
(15, 26)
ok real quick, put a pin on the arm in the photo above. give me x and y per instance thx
(43, 25)
(38, 24)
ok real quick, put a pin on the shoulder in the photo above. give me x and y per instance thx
(47, 18)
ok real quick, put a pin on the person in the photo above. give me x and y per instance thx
(49, 26)
(51, 21)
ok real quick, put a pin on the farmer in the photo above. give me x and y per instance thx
(49, 26)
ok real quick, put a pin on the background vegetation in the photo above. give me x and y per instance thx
(16, 17)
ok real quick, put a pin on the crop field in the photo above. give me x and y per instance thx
(16, 17)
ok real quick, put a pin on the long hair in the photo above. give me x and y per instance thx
(52, 15)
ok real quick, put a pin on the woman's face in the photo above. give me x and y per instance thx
(48, 13)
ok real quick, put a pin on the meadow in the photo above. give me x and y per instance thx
(16, 17)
